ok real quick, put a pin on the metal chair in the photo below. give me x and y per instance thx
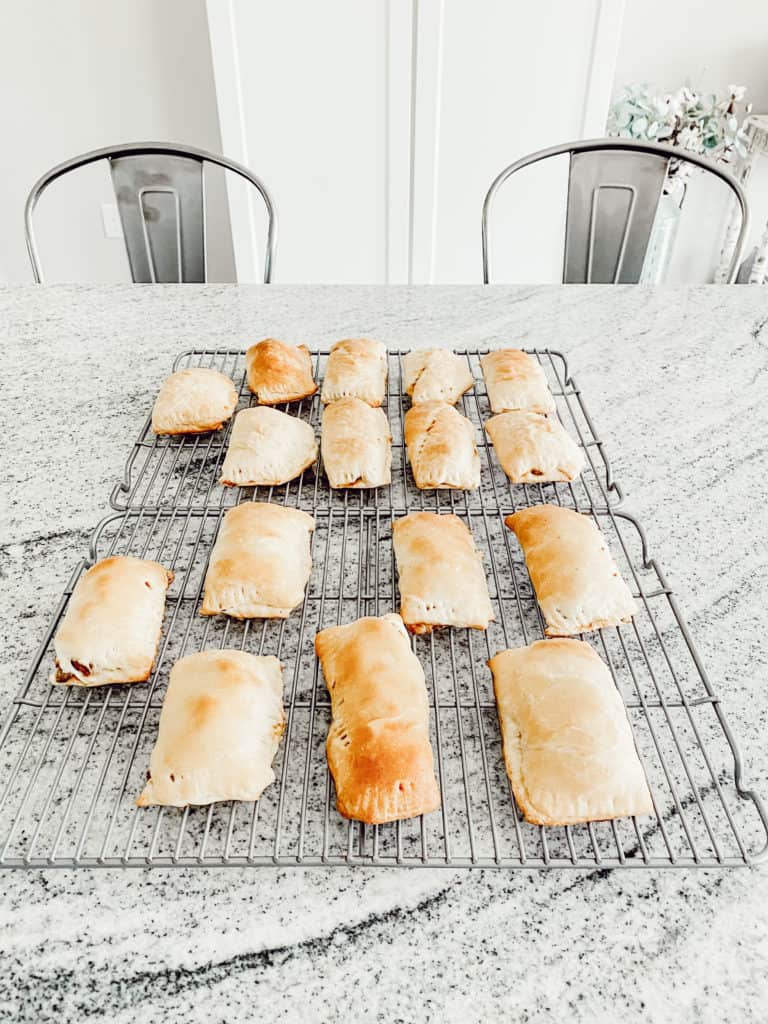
(160, 192)
(628, 177)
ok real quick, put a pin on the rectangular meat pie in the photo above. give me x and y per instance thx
(568, 746)
(357, 368)
(260, 563)
(441, 447)
(220, 727)
(194, 401)
(436, 375)
(111, 628)
(277, 372)
(355, 444)
(267, 447)
(440, 574)
(534, 449)
(516, 380)
(576, 580)
(378, 746)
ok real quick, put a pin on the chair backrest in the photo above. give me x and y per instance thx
(160, 192)
(614, 187)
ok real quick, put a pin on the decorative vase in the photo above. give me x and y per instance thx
(663, 233)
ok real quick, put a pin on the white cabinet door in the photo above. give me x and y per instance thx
(379, 126)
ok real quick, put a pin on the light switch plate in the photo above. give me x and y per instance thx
(110, 217)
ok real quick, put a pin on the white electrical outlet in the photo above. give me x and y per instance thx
(110, 217)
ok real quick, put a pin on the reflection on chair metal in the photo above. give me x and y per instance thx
(160, 192)
(614, 188)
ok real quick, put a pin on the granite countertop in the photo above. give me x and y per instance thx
(676, 383)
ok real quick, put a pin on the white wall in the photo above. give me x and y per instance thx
(714, 44)
(78, 74)
(379, 126)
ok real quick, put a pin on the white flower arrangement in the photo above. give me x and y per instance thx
(687, 118)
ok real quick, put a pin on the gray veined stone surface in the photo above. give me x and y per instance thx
(676, 381)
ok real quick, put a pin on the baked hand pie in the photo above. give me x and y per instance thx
(277, 372)
(194, 401)
(440, 573)
(576, 580)
(260, 563)
(111, 628)
(441, 447)
(355, 444)
(534, 449)
(378, 744)
(267, 447)
(220, 727)
(357, 368)
(515, 380)
(568, 746)
(436, 375)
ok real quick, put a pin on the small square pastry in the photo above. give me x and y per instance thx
(441, 447)
(267, 447)
(357, 368)
(534, 449)
(220, 727)
(194, 401)
(260, 563)
(440, 573)
(436, 375)
(277, 372)
(111, 628)
(568, 746)
(355, 444)
(577, 582)
(378, 746)
(515, 380)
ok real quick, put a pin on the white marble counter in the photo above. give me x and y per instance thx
(676, 382)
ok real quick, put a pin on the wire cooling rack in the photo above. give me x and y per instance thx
(73, 760)
(179, 472)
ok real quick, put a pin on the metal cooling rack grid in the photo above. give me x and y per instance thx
(179, 472)
(74, 760)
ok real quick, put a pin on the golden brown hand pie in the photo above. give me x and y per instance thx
(534, 449)
(357, 368)
(577, 583)
(441, 447)
(355, 443)
(193, 401)
(260, 562)
(278, 372)
(441, 577)
(437, 375)
(515, 380)
(111, 628)
(267, 447)
(568, 746)
(378, 744)
(220, 727)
